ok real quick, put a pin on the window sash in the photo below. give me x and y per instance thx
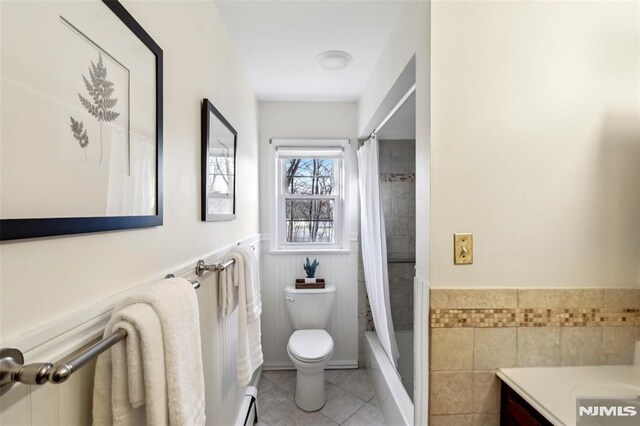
(283, 219)
(311, 197)
(284, 150)
(285, 196)
(337, 163)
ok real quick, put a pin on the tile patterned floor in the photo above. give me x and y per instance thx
(350, 400)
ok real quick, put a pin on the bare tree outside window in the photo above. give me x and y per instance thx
(310, 209)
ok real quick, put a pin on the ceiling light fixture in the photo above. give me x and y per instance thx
(334, 60)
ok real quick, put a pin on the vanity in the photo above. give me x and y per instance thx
(540, 396)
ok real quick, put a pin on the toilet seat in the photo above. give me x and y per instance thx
(310, 345)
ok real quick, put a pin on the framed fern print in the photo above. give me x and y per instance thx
(81, 120)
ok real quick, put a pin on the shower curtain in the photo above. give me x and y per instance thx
(374, 246)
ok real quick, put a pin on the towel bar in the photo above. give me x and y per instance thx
(202, 267)
(13, 370)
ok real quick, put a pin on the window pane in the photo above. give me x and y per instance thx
(309, 176)
(310, 221)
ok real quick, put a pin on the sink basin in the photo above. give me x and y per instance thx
(604, 389)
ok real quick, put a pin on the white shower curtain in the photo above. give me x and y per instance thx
(374, 246)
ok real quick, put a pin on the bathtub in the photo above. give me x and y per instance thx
(393, 399)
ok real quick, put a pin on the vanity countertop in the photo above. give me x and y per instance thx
(552, 390)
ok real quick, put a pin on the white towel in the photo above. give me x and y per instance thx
(246, 277)
(155, 375)
(228, 281)
(254, 302)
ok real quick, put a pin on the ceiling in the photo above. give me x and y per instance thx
(278, 42)
(403, 123)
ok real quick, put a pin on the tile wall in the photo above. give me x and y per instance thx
(397, 185)
(475, 332)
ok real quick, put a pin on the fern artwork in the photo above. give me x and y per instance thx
(80, 134)
(99, 103)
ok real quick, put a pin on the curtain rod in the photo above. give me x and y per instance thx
(395, 109)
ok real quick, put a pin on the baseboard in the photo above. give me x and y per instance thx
(333, 365)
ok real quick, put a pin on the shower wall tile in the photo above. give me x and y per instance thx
(404, 225)
(384, 164)
(403, 164)
(362, 300)
(403, 200)
(401, 294)
(401, 246)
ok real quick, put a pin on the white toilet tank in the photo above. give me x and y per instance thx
(310, 309)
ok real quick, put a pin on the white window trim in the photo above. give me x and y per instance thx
(277, 208)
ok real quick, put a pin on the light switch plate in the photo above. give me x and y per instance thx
(463, 249)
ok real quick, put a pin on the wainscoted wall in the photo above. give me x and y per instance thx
(475, 332)
(70, 403)
(280, 271)
(309, 120)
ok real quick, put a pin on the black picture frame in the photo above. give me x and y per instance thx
(14, 229)
(208, 112)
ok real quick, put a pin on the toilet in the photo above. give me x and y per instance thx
(310, 346)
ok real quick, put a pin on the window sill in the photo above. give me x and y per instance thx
(309, 250)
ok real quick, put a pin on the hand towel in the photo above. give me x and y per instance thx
(249, 309)
(254, 302)
(155, 375)
(228, 281)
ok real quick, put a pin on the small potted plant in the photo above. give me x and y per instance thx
(310, 269)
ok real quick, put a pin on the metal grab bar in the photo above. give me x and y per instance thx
(13, 370)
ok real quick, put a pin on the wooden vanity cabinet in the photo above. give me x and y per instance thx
(515, 411)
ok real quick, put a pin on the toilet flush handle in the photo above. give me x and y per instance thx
(290, 299)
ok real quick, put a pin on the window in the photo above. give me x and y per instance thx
(310, 199)
(309, 196)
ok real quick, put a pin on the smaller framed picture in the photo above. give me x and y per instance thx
(219, 142)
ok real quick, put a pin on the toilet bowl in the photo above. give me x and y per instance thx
(310, 351)
(310, 347)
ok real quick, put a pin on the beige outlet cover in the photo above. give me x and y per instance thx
(463, 249)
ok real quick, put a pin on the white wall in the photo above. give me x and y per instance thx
(45, 279)
(536, 142)
(288, 120)
(48, 279)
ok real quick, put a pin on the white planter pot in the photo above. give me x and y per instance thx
(310, 280)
